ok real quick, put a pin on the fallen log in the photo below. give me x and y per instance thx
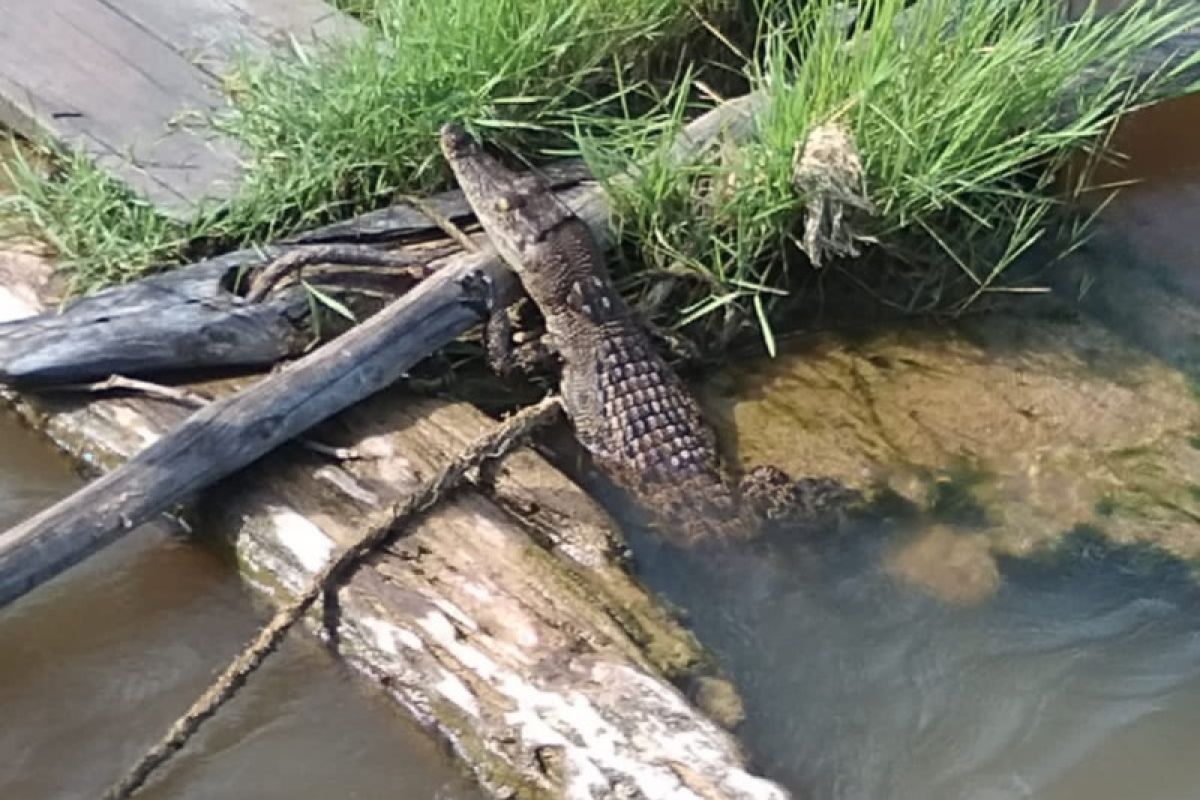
(191, 318)
(180, 320)
(227, 435)
(495, 445)
(503, 620)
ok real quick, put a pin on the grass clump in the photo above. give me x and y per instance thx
(334, 136)
(97, 226)
(341, 130)
(960, 116)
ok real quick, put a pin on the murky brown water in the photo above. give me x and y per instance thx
(94, 667)
(1156, 213)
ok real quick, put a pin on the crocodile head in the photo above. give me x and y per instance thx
(516, 210)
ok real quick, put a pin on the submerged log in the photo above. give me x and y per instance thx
(503, 621)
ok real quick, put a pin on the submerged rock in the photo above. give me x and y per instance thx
(1012, 429)
(954, 566)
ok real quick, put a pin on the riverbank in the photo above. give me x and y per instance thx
(948, 180)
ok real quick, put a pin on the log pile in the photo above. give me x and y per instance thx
(504, 620)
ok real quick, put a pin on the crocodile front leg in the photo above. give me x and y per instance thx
(507, 355)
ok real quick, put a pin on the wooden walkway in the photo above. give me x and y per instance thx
(128, 81)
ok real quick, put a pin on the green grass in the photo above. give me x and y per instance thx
(334, 133)
(961, 146)
(103, 233)
(350, 131)
(960, 143)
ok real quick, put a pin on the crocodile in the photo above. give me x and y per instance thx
(629, 409)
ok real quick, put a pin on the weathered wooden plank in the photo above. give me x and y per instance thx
(78, 71)
(213, 33)
(209, 32)
(116, 79)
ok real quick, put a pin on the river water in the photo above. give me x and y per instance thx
(95, 666)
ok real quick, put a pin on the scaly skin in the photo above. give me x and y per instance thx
(628, 407)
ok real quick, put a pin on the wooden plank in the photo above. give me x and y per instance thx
(115, 78)
(213, 33)
(80, 72)
(303, 18)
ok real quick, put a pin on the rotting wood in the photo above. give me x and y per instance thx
(190, 319)
(521, 652)
(266, 279)
(493, 445)
(224, 437)
(229, 434)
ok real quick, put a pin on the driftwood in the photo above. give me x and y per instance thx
(191, 319)
(503, 620)
(227, 435)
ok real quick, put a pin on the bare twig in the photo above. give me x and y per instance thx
(174, 394)
(186, 397)
(447, 225)
(494, 444)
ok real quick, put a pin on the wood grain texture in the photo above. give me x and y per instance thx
(129, 82)
(226, 436)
